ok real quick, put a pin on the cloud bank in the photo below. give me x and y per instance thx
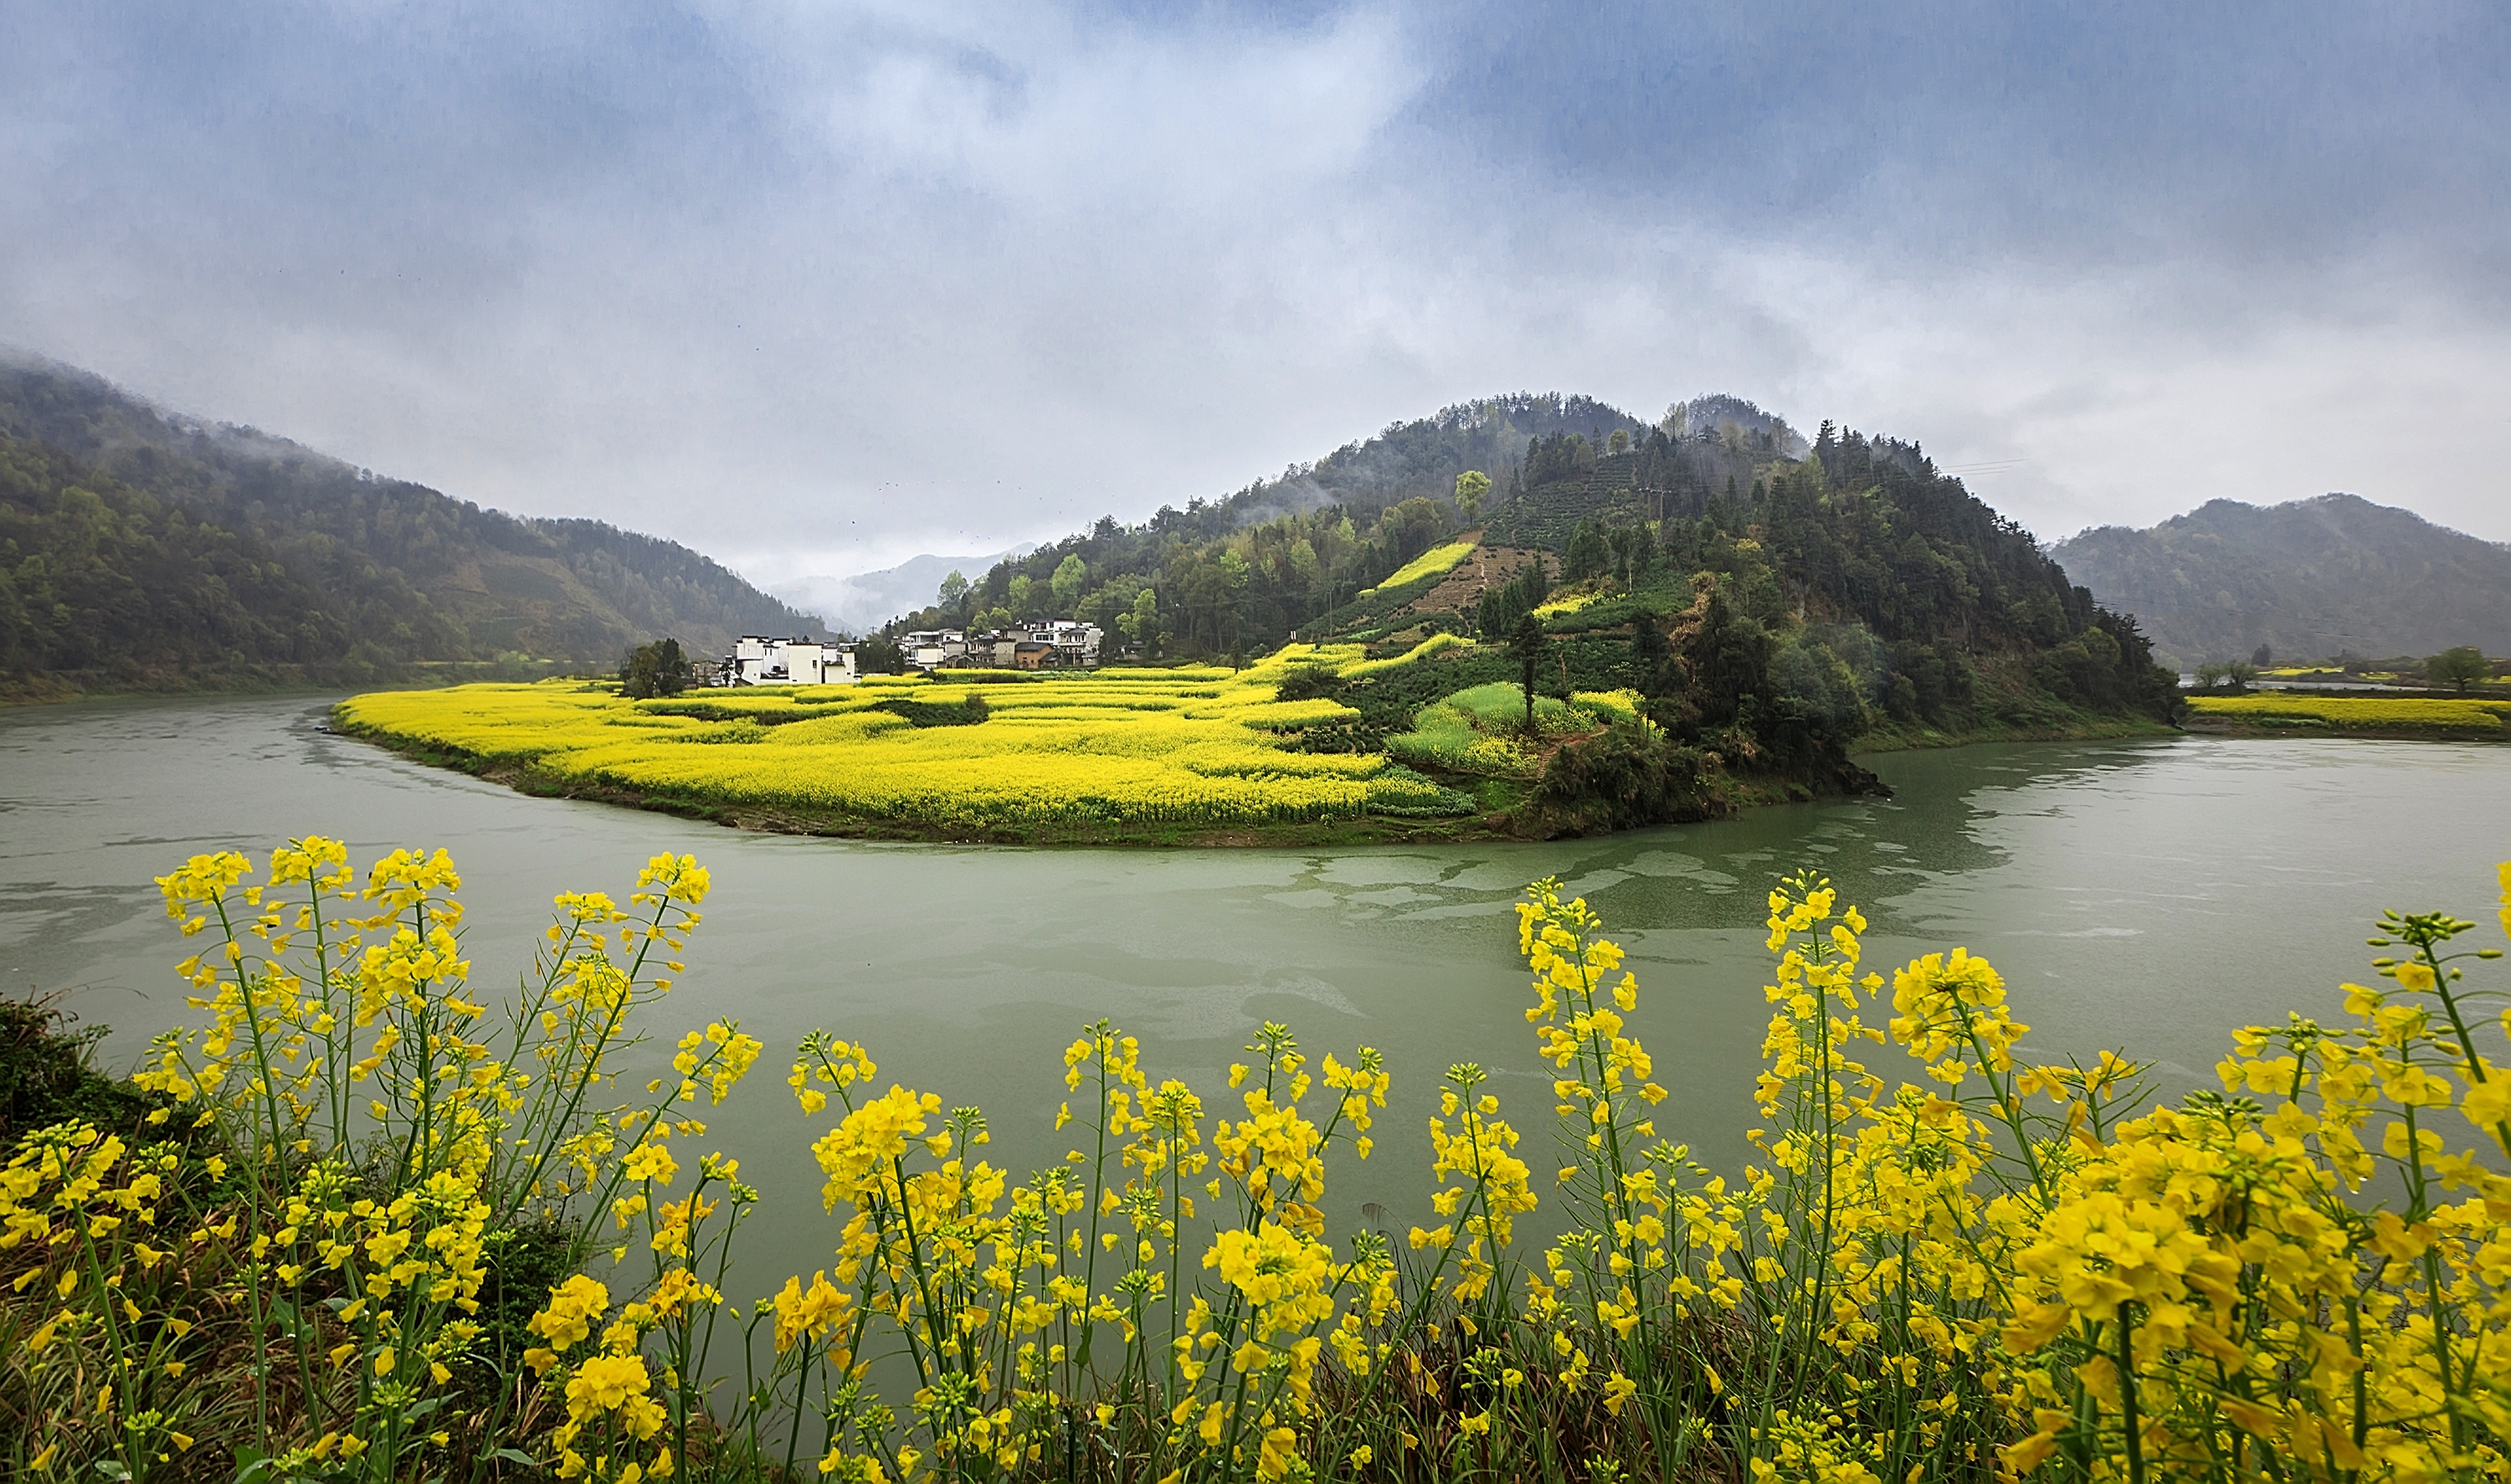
(816, 287)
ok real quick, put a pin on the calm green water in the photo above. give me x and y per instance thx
(2146, 895)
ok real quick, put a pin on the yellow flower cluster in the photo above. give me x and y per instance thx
(607, 1405)
(1016, 1302)
(1360, 669)
(2000, 1268)
(2211, 1289)
(1127, 747)
(1480, 1174)
(354, 1126)
(1430, 564)
(2473, 716)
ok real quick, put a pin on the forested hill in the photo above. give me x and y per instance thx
(1421, 459)
(139, 550)
(1323, 531)
(2310, 579)
(1771, 599)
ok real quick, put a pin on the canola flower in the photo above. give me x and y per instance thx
(1436, 643)
(1989, 1266)
(1194, 745)
(2475, 717)
(1430, 564)
(337, 1140)
(1566, 604)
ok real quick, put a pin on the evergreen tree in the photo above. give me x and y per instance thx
(1526, 645)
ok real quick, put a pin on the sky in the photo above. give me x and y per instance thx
(817, 287)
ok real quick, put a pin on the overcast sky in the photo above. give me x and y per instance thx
(816, 287)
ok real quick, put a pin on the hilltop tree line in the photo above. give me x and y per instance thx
(1852, 588)
(1858, 530)
(1244, 574)
(1772, 597)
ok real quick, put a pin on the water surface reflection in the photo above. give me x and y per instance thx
(2151, 895)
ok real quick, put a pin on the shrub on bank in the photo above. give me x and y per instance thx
(1993, 1270)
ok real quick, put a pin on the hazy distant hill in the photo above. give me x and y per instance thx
(140, 549)
(865, 601)
(2310, 579)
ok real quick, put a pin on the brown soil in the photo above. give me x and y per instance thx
(1485, 567)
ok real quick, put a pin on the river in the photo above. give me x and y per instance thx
(2151, 895)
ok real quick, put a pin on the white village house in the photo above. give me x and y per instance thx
(929, 650)
(757, 659)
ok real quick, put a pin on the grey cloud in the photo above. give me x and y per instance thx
(815, 288)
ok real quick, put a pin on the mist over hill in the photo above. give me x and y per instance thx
(863, 601)
(2310, 579)
(143, 549)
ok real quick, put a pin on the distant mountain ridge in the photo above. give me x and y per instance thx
(2310, 579)
(859, 602)
(146, 550)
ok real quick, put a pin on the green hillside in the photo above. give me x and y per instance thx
(2310, 579)
(1770, 604)
(145, 551)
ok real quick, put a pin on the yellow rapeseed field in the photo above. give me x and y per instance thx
(1430, 564)
(1570, 603)
(2480, 718)
(1195, 745)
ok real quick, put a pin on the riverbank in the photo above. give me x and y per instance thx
(2421, 719)
(1893, 737)
(63, 687)
(787, 818)
(1277, 797)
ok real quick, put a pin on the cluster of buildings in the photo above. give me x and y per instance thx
(1055, 644)
(757, 660)
(760, 660)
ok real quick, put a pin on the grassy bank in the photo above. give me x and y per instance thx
(2434, 717)
(1894, 737)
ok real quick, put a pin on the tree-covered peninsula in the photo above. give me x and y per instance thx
(1627, 625)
